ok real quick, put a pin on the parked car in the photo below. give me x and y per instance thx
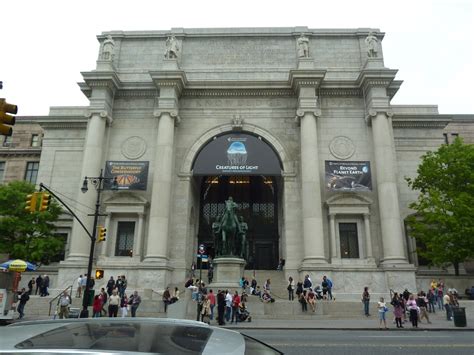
(126, 335)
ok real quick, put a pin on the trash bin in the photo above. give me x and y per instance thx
(459, 315)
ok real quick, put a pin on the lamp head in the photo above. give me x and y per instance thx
(84, 187)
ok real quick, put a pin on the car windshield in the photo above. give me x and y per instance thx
(123, 336)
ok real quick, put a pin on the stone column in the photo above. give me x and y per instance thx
(157, 238)
(313, 235)
(137, 248)
(389, 207)
(368, 238)
(91, 165)
(170, 83)
(332, 233)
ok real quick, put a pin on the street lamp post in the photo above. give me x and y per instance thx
(98, 184)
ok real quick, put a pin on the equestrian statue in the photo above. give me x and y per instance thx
(230, 233)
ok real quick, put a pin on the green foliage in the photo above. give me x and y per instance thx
(444, 218)
(26, 235)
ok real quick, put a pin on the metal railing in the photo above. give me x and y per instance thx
(57, 296)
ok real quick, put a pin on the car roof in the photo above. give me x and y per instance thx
(119, 335)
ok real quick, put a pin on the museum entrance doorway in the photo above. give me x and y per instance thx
(257, 201)
(244, 166)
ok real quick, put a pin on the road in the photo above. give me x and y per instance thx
(300, 342)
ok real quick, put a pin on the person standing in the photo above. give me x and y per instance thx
(382, 307)
(114, 303)
(302, 300)
(134, 302)
(97, 306)
(79, 287)
(124, 305)
(235, 307)
(421, 302)
(23, 297)
(39, 284)
(45, 285)
(212, 303)
(83, 283)
(221, 305)
(439, 292)
(166, 298)
(110, 285)
(124, 284)
(64, 304)
(206, 310)
(431, 301)
(398, 310)
(31, 284)
(103, 299)
(413, 309)
(228, 305)
(447, 306)
(118, 285)
(329, 286)
(291, 289)
(366, 300)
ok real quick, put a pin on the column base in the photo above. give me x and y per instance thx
(313, 263)
(394, 260)
(159, 260)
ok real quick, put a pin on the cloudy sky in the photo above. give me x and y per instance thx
(46, 44)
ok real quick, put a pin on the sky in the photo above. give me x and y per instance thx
(46, 44)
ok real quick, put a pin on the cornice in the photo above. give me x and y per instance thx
(376, 78)
(101, 79)
(238, 92)
(306, 77)
(20, 152)
(169, 78)
(66, 123)
(414, 121)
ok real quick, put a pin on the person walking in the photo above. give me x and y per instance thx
(421, 302)
(447, 306)
(383, 309)
(45, 285)
(114, 303)
(291, 289)
(64, 304)
(212, 303)
(23, 297)
(366, 300)
(103, 299)
(134, 301)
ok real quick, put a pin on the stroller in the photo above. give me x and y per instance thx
(318, 291)
(244, 314)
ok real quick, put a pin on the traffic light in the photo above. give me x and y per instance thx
(31, 201)
(99, 274)
(6, 119)
(102, 234)
(45, 201)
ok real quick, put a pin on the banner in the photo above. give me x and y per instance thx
(348, 175)
(131, 175)
(237, 154)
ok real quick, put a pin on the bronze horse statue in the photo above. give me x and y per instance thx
(227, 229)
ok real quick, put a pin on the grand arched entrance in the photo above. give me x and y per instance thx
(245, 167)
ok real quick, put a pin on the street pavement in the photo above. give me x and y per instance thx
(365, 342)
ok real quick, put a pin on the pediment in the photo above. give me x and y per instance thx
(123, 198)
(348, 199)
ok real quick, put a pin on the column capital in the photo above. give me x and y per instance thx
(373, 112)
(301, 112)
(173, 113)
(169, 79)
(100, 113)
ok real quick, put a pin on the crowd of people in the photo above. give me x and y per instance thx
(414, 307)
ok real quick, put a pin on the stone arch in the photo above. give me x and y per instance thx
(227, 128)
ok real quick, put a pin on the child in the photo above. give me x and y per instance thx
(382, 310)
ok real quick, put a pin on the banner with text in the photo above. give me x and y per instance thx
(131, 175)
(237, 154)
(348, 175)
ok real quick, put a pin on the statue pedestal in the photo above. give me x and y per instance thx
(227, 272)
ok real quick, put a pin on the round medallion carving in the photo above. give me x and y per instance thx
(133, 147)
(342, 147)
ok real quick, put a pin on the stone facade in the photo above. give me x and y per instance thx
(161, 99)
(23, 147)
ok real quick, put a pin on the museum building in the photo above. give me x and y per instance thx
(294, 124)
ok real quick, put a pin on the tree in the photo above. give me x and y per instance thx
(26, 235)
(444, 218)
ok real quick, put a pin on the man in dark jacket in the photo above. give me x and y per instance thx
(23, 297)
(220, 307)
(39, 284)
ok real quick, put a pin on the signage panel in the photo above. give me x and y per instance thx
(237, 154)
(348, 175)
(131, 175)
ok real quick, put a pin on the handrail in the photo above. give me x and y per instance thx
(56, 297)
